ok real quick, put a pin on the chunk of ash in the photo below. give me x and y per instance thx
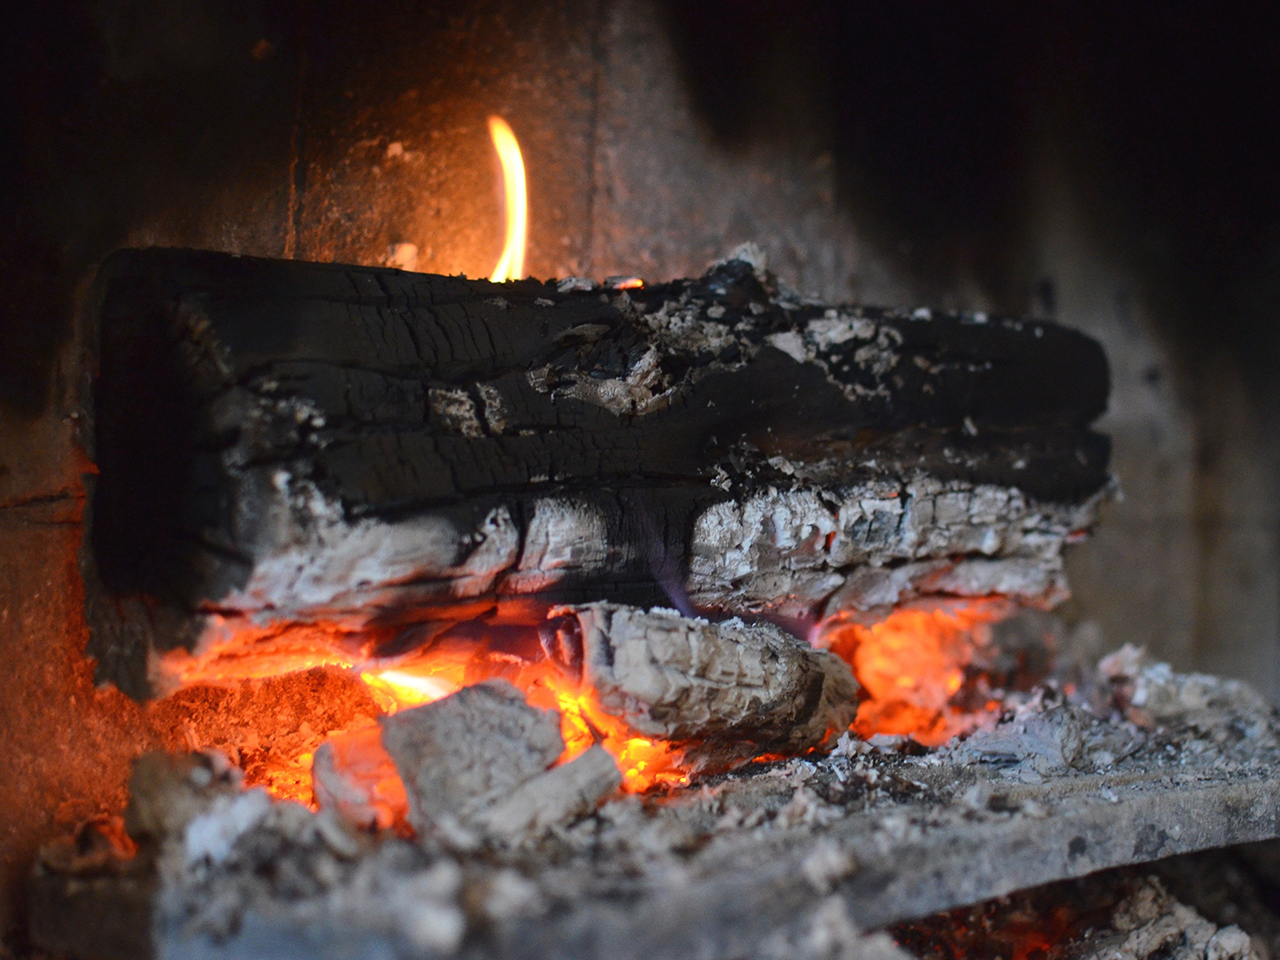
(1041, 737)
(1151, 695)
(475, 765)
(1117, 916)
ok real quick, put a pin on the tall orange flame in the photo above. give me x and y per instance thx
(511, 264)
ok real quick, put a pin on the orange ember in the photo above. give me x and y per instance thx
(914, 667)
(284, 731)
(269, 697)
(1051, 922)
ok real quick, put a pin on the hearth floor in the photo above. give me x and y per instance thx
(891, 831)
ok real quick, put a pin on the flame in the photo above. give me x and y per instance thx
(914, 665)
(511, 264)
(644, 763)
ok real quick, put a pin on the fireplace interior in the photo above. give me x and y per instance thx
(866, 523)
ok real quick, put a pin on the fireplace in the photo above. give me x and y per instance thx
(342, 146)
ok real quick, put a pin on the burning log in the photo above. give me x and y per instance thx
(374, 451)
(731, 691)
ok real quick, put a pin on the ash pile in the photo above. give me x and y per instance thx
(1121, 915)
(516, 855)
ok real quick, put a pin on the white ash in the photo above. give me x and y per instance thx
(1035, 738)
(456, 410)
(879, 543)
(569, 284)
(1150, 923)
(828, 863)
(211, 835)
(495, 407)
(643, 390)
(562, 538)
(318, 560)
(828, 933)
(559, 795)
(749, 252)
(1153, 695)
(475, 765)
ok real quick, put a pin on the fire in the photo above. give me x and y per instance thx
(247, 658)
(511, 264)
(915, 667)
(271, 696)
(643, 762)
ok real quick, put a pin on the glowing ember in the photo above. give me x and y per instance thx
(643, 762)
(511, 264)
(242, 659)
(916, 667)
(269, 697)
(382, 801)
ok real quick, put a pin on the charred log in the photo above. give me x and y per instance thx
(289, 441)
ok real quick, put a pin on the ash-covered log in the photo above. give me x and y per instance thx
(283, 442)
(729, 691)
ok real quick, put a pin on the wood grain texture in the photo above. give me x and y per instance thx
(731, 691)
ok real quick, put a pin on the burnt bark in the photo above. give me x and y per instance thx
(310, 441)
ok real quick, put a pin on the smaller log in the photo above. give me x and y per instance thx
(730, 690)
(474, 765)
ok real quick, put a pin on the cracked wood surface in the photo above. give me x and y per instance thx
(290, 441)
